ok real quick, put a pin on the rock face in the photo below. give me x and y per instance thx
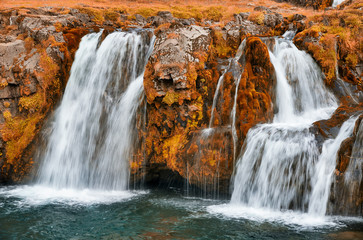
(319, 4)
(180, 82)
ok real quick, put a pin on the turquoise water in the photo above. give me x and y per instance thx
(152, 215)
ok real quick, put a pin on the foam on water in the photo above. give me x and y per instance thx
(28, 195)
(290, 218)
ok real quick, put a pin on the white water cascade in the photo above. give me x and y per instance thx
(324, 169)
(280, 166)
(93, 131)
(337, 2)
(353, 177)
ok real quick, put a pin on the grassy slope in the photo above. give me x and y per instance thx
(182, 9)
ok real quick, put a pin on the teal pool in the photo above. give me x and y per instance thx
(34, 213)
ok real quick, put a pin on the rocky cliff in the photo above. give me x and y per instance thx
(189, 129)
(320, 4)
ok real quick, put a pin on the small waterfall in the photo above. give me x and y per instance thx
(279, 160)
(232, 64)
(239, 54)
(215, 98)
(301, 96)
(94, 130)
(275, 168)
(353, 177)
(209, 139)
(337, 2)
(325, 167)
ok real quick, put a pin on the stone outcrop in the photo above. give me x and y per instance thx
(316, 4)
(180, 82)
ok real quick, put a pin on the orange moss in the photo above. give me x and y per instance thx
(171, 97)
(220, 46)
(171, 147)
(3, 83)
(19, 132)
(257, 17)
(29, 44)
(31, 103)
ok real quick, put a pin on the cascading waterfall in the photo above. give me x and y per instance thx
(93, 131)
(280, 166)
(325, 167)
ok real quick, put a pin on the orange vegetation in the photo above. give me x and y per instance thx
(204, 9)
(336, 37)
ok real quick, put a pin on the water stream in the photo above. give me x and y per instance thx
(280, 167)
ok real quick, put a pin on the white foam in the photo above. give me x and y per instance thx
(289, 217)
(42, 195)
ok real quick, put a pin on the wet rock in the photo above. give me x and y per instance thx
(140, 19)
(316, 4)
(298, 17)
(273, 19)
(262, 9)
(162, 18)
(9, 92)
(10, 51)
(241, 17)
(166, 15)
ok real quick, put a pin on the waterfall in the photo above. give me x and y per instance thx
(208, 141)
(280, 166)
(356, 164)
(215, 97)
(94, 127)
(325, 167)
(232, 65)
(337, 2)
(240, 53)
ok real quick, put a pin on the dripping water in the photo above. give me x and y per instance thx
(207, 136)
(239, 55)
